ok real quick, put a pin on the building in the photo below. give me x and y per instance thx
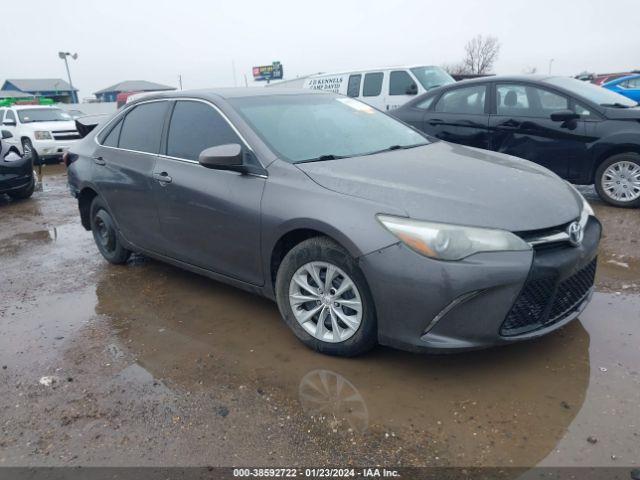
(109, 94)
(54, 88)
(14, 94)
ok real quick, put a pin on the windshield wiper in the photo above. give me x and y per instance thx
(322, 158)
(616, 105)
(396, 147)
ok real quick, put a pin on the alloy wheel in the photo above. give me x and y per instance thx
(325, 301)
(621, 181)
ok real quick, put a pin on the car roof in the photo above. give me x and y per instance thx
(226, 93)
(372, 69)
(24, 107)
(506, 78)
(625, 78)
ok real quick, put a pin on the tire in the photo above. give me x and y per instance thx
(27, 149)
(106, 234)
(628, 164)
(25, 192)
(356, 331)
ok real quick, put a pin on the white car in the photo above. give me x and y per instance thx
(43, 132)
(385, 88)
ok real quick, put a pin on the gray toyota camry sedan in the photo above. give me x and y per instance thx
(362, 229)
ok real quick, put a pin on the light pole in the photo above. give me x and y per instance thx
(550, 64)
(63, 56)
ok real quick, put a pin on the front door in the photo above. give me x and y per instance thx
(522, 127)
(459, 117)
(209, 218)
(402, 88)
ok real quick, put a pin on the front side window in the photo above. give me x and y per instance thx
(142, 127)
(353, 88)
(307, 127)
(528, 101)
(10, 116)
(469, 100)
(194, 127)
(372, 84)
(401, 83)
(30, 115)
(426, 103)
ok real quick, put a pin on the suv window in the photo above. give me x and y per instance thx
(372, 84)
(111, 140)
(353, 88)
(142, 127)
(10, 115)
(194, 127)
(400, 82)
(528, 101)
(1, 114)
(469, 100)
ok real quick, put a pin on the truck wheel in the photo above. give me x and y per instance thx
(28, 150)
(618, 180)
(324, 298)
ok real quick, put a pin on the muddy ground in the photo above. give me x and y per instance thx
(151, 365)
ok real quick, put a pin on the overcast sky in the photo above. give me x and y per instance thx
(157, 40)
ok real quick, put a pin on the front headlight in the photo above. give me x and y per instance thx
(450, 242)
(42, 135)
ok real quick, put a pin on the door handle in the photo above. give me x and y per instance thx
(435, 121)
(162, 177)
(99, 161)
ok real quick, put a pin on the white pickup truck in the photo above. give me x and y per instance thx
(43, 132)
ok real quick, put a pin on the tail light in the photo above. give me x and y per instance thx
(66, 159)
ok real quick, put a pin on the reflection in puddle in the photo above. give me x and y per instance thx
(326, 394)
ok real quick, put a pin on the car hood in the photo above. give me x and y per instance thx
(444, 182)
(51, 126)
(622, 113)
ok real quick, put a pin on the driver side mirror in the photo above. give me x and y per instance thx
(412, 89)
(222, 157)
(564, 116)
(6, 134)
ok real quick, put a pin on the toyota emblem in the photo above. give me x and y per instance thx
(576, 234)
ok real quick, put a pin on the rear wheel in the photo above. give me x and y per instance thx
(106, 235)
(325, 300)
(618, 180)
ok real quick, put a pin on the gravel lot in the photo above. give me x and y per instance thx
(149, 365)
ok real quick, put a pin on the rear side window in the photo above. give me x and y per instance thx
(400, 83)
(194, 127)
(353, 88)
(468, 100)
(372, 84)
(1, 113)
(142, 127)
(111, 140)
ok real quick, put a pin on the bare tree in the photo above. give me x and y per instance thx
(481, 54)
(455, 68)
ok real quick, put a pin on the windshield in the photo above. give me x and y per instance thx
(432, 77)
(323, 127)
(29, 115)
(589, 91)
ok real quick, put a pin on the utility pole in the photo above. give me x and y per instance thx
(550, 64)
(180, 81)
(63, 56)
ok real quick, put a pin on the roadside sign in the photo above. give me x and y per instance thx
(268, 72)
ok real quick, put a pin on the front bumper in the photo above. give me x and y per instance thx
(429, 305)
(51, 148)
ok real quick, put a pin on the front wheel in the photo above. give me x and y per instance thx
(618, 180)
(324, 298)
(106, 235)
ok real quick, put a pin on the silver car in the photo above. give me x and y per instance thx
(363, 229)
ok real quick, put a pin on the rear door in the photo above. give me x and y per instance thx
(210, 218)
(522, 126)
(124, 163)
(460, 116)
